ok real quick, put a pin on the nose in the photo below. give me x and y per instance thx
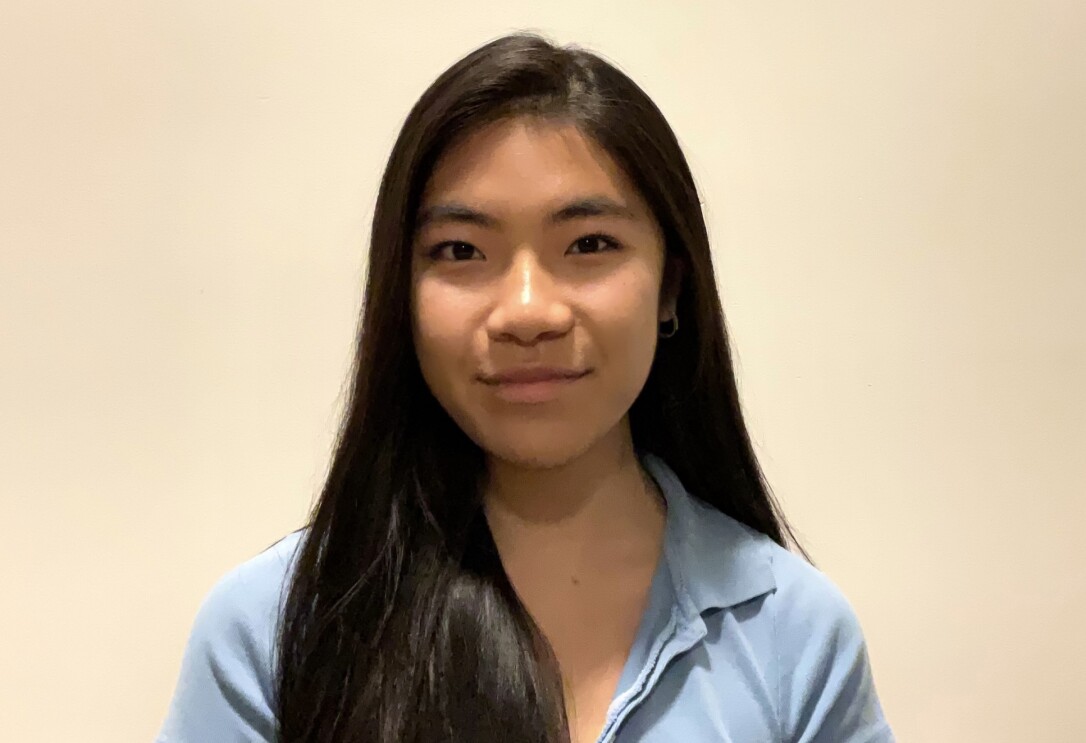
(530, 306)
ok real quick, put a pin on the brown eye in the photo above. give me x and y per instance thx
(454, 251)
(591, 244)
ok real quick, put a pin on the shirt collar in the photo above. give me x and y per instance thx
(714, 561)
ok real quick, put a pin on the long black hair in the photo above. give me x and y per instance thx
(400, 624)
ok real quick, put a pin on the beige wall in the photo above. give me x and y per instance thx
(896, 195)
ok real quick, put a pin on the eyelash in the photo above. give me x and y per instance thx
(610, 245)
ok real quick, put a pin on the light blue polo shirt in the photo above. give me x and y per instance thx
(741, 642)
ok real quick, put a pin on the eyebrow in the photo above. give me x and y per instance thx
(589, 206)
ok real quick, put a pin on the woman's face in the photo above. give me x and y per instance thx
(537, 271)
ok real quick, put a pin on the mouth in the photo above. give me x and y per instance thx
(533, 385)
(532, 375)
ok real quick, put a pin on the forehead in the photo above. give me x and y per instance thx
(528, 163)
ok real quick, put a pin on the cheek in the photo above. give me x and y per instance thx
(636, 349)
(626, 314)
(441, 332)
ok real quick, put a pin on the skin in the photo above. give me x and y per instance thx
(578, 523)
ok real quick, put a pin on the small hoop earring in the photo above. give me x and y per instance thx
(669, 327)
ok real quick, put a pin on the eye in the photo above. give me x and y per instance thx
(453, 251)
(591, 244)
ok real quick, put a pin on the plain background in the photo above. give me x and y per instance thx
(896, 197)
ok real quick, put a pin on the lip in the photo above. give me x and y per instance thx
(534, 384)
(533, 374)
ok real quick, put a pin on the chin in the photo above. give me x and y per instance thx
(535, 447)
(534, 454)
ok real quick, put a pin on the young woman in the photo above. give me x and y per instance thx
(544, 520)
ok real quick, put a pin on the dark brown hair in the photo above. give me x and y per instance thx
(400, 625)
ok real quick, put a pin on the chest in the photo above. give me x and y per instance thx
(591, 678)
(591, 623)
(592, 643)
(719, 688)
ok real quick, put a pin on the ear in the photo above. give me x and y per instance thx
(670, 286)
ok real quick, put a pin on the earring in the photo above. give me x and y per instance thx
(669, 327)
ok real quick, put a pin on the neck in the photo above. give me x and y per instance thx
(599, 511)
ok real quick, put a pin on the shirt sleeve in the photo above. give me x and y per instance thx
(223, 692)
(827, 691)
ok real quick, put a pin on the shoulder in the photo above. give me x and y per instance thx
(720, 563)
(799, 628)
(226, 682)
(256, 583)
(241, 610)
(825, 685)
(244, 603)
(805, 598)
(781, 631)
(800, 596)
